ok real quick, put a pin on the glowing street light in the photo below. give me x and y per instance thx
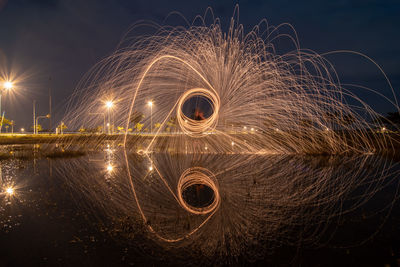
(10, 191)
(22, 130)
(8, 85)
(109, 104)
(150, 103)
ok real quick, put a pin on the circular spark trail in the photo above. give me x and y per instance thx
(193, 127)
(198, 176)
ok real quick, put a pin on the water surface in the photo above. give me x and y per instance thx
(107, 206)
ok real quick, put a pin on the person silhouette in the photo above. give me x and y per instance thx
(198, 115)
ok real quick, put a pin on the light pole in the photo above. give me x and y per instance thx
(150, 103)
(6, 86)
(109, 105)
(62, 126)
(34, 116)
(37, 119)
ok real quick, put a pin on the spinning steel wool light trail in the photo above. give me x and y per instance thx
(259, 109)
(257, 201)
(260, 101)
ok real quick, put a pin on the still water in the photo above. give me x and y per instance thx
(106, 206)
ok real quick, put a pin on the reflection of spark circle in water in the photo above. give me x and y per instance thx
(198, 176)
(197, 128)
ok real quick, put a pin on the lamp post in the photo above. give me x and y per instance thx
(37, 119)
(62, 128)
(150, 103)
(34, 116)
(109, 106)
(6, 86)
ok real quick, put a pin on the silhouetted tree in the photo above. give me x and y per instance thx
(136, 117)
(171, 124)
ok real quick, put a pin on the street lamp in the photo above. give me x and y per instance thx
(109, 106)
(150, 103)
(6, 86)
(37, 119)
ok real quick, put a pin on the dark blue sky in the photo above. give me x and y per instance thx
(62, 39)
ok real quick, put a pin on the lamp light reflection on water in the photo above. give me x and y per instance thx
(110, 168)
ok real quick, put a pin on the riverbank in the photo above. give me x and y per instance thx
(163, 140)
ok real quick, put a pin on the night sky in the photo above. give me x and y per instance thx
(53, 43)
